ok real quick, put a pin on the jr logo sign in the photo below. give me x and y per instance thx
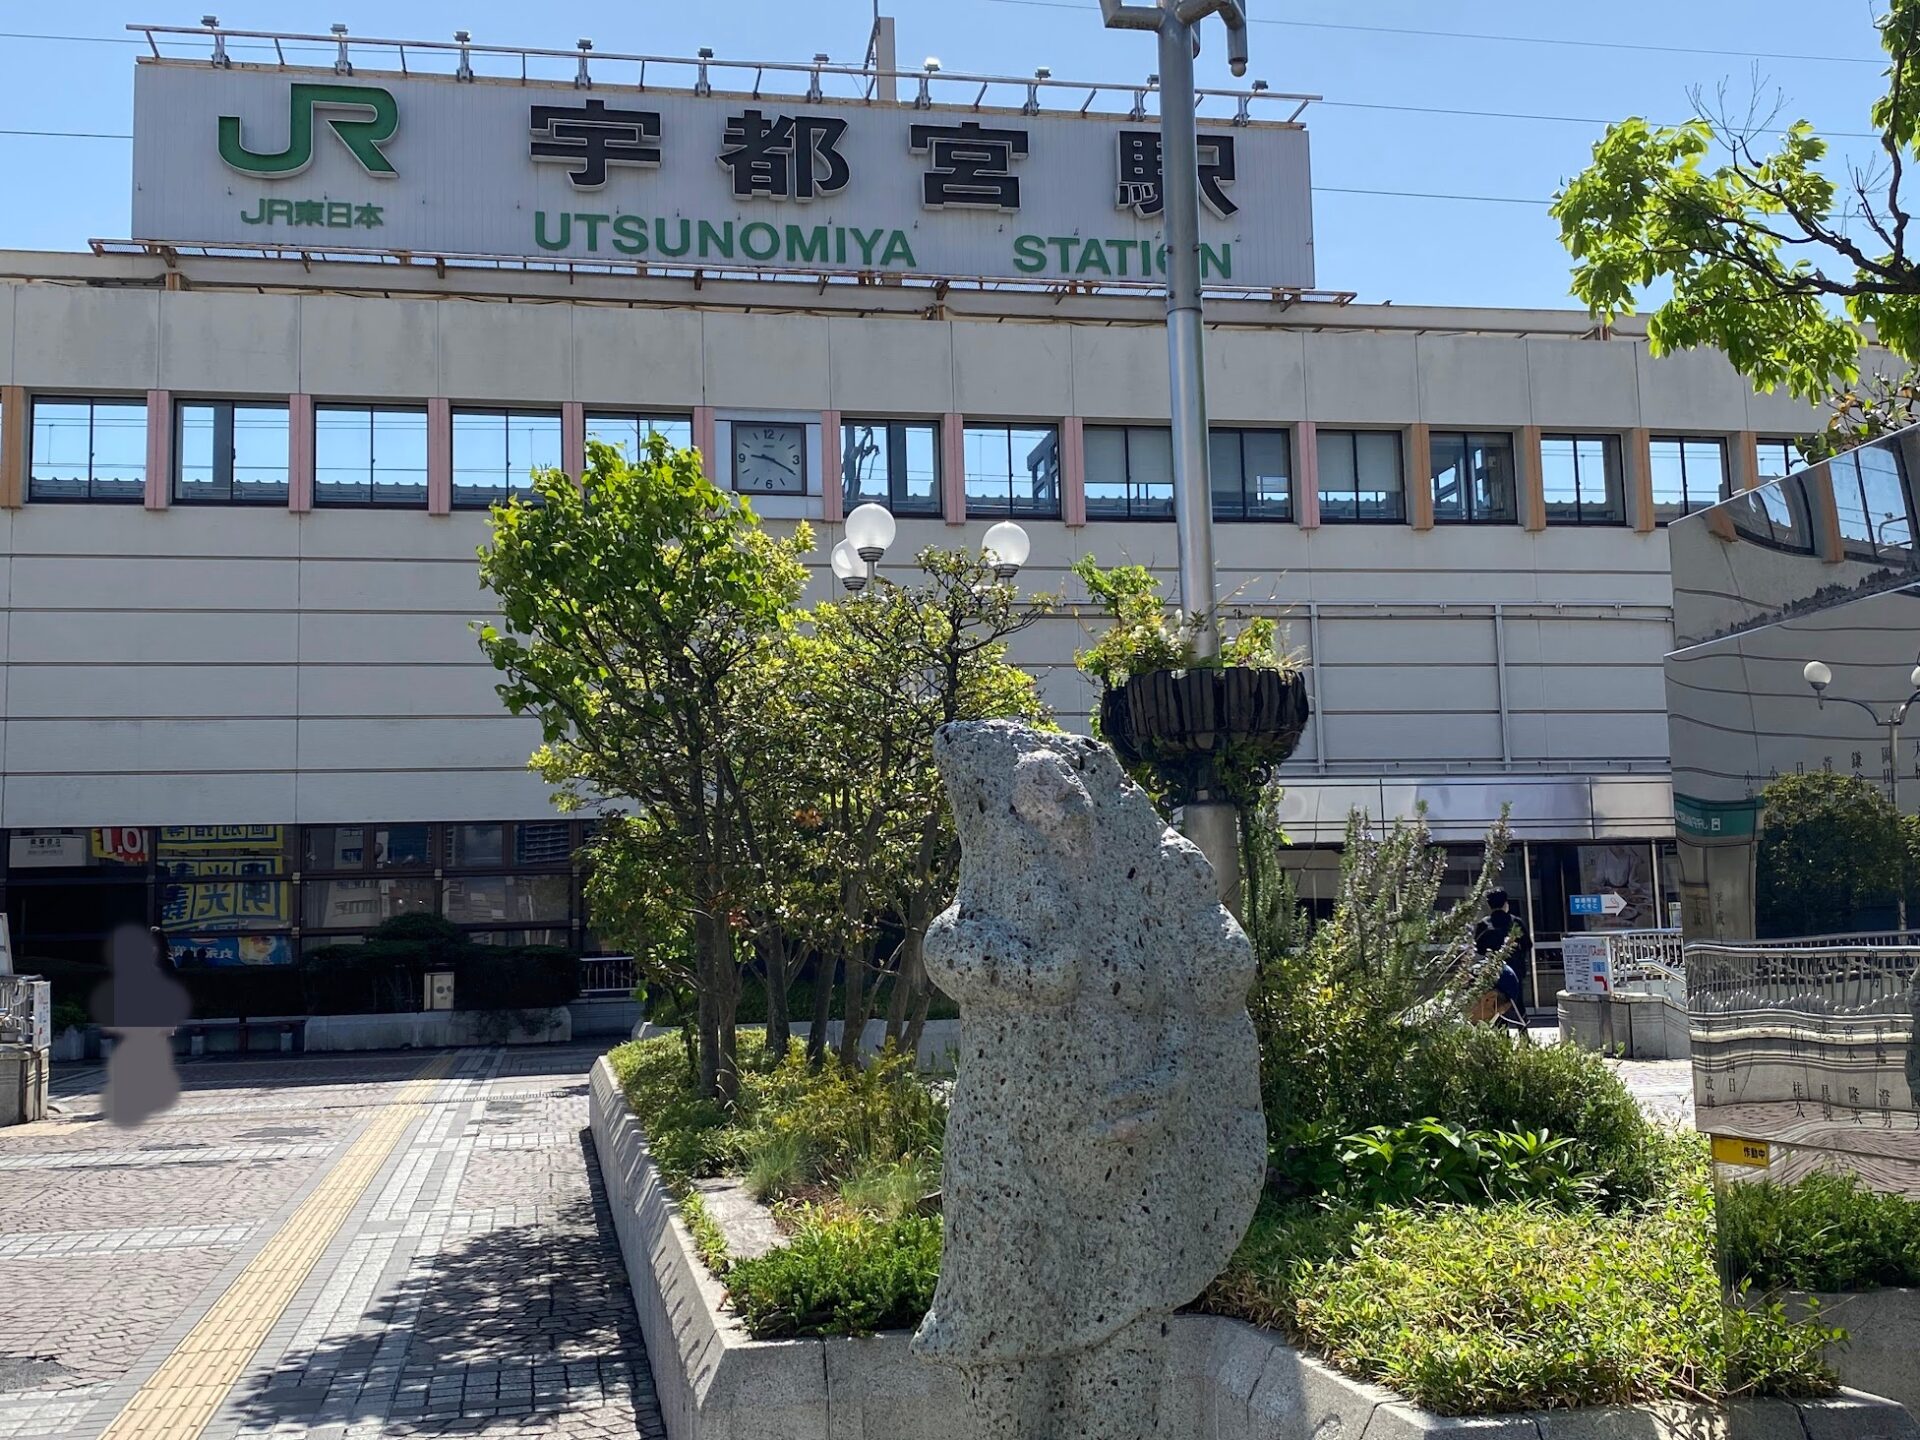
(362, 136)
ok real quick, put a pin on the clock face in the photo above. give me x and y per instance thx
(770, 459)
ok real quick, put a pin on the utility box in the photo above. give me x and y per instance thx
(439, 990)
(24, 1073)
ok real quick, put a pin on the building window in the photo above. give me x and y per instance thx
(892, 463)
(1129, 472)
(1013, 470)
(496, 452)
(89, 450)
(1252, 474)
(369, 455)
(227, 453)
(1871, 504)
(1360, 476)
(1689, 473)
(630, 431)
(332, 849)
(1776, 457)
(1774, 514)
(1472, 479)
(1580, 478)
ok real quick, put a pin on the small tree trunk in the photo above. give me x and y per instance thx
(917, 1023)
(719, 1002)
(822, 1007)
(779, 967)
(858, 1005)
(908, 986)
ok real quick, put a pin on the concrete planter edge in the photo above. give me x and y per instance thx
(1229, 1380)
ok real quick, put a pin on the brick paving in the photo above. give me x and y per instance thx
(391, 1245)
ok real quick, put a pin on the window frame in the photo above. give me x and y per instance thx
(1352, 436)
(1789, 446)
(322, 500)
(224, 454)
(1128, 513)
(643, 418)
(1613, 465)
(1470, 440)
(896, 428)
(506, 416)
(1688, 506)
(93, 403)
(1013, 510)
(1247, 515)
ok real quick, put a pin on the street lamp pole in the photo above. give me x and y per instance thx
(1210, 823)
(1819, 676)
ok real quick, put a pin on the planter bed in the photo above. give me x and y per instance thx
(1229, 1380)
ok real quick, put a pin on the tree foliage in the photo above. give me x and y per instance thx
(1831, 848)
(1762, 251)
(638, 610)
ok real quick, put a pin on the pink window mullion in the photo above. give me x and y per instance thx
(159, 487)
(1306, 471)
(832, 499)
(440, 456)
(953, 468)
(703, 441)
(1073, 470)
(573, 438)
(300, 453)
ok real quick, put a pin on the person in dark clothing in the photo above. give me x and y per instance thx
(1490, 937)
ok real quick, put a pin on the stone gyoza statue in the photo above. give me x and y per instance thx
(1105, 1149)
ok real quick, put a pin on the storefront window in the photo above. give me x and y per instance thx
(362, 904)
(225, 897)
(469, 846)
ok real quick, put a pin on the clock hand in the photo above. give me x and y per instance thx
(781, 463)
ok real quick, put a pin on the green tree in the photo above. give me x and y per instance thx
(878, 674)
(1760, 250)
(639, 609)
(1830, 847)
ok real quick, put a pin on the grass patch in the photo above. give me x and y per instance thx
(1519, 1306)
(709, 1240)
(1826, 1232)
(844, 1274)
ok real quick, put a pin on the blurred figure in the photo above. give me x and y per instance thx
(140, 1006)
(1501, 931)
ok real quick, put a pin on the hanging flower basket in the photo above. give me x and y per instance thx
(1187, 725)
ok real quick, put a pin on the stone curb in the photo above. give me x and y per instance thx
(1231, 1380)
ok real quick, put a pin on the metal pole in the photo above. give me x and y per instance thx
(1213, 826)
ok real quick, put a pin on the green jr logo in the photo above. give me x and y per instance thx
(363, 137)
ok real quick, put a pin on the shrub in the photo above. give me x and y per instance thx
(1826, 1232)
(524, 977)
(1431, 1160)
(69, 1014)
(802, 1126)
(709, 1240)
(842, 1275)
(1517, 1306)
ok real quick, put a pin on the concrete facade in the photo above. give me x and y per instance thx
(176, 665)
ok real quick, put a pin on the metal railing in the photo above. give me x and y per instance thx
(1828, 981)
(456, 59)
(603, 975)
(26, 1011)
(1649, 962)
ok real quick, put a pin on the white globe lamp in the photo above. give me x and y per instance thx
(848, 568)
(870, 530)
(1818, 675)
(1006, 547)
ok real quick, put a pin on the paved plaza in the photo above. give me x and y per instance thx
(343, 1247)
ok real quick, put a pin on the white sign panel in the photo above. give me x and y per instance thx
(1589, 967)
(47, 851)
(489, 167)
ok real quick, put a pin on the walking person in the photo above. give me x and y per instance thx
(1491, 937)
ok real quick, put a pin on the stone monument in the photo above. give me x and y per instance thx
(1106, 1148)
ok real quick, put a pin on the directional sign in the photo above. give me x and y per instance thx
(1608, 904)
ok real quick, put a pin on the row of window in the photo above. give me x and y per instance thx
(230, 452)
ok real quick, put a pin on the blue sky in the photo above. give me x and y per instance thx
(1585, 63)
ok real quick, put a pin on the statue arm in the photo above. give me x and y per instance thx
(981, 960)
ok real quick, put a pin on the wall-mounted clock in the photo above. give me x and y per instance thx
(769, 458)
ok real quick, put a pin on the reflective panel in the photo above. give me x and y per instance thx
(1796, 777)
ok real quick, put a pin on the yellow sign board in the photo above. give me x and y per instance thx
(1731, 1150)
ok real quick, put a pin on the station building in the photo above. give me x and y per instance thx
(242, 486)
